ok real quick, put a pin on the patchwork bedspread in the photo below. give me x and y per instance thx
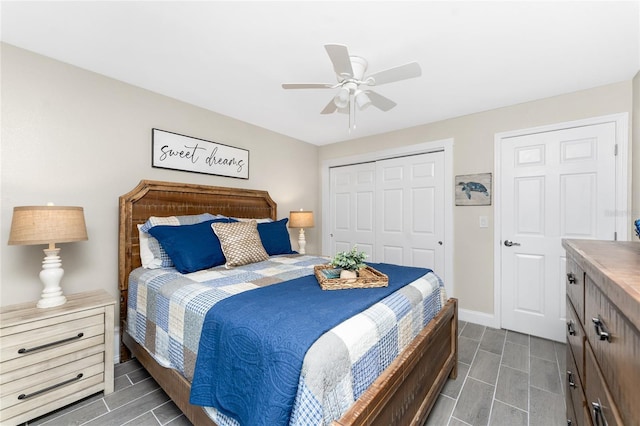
(166, 311)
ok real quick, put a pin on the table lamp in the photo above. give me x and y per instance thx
(301, 219)
(48, 224)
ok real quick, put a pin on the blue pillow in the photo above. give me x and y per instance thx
(191, 247)
(275, 237)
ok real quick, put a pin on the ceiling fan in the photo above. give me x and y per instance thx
(350, 73)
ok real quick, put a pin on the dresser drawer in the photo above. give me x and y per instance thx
(603, 410)
(616, 347)
(575, 338)
(575, 392)
(575, 287)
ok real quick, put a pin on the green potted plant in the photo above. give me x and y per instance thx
(349, 261)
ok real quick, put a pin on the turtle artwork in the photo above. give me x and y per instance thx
(473, 190)
(468, 187)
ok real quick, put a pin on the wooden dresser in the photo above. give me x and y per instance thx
(603, 332)
(54, 356)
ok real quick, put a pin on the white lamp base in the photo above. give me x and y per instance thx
(50, 276)
(302, 243)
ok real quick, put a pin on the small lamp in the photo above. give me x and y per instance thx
(301, 219)
(48, 225)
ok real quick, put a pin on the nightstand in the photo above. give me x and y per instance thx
(52, 357)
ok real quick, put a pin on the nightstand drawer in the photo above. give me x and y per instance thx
(41, 404)
(44, 337)
(51, 382)
(74, 355)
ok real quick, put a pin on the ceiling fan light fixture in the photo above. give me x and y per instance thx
(342, 98)
(362, 100)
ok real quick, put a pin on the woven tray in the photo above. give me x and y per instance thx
(367, 278)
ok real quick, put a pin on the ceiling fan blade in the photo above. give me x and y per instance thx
(308, 86)
(398, 73)
(339, 55)
(330, 108)
(379, 101)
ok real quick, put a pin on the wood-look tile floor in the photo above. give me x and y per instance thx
(504, 379)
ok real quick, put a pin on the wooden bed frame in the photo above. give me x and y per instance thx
(403, 394)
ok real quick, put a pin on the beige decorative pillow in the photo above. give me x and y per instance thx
(240, 242)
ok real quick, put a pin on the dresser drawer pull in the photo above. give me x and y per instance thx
(570, 381)
(571, 328)
(601, 330)
(598, 415)
(59, 342)
(571, 278)
(47, 389)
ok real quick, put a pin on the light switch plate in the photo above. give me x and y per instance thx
(484, 222)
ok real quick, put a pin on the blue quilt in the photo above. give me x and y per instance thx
(251, 352)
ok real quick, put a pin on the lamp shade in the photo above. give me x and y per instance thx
(47, 224)
(301, 219)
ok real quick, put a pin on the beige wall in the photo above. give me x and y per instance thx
(78, 138)
(474, 153)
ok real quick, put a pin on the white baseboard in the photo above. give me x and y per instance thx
(476, 317)
(116, 345)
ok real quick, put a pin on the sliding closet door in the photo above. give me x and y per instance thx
(410, 211)
(392, 209)
(352, 208)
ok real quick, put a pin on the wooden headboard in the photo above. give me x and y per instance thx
(154, 198)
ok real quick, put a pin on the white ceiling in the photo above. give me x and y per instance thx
(231, 57)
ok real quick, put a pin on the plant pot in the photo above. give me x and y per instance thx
(348, 274)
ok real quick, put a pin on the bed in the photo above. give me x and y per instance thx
(403, 393)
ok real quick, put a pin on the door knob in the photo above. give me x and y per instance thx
(510, 243)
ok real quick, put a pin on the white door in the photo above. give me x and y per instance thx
(410, 211)
(352, 199)
(557, 184)
(392, 209)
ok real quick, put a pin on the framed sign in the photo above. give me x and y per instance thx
(473, 190)
(179, 152)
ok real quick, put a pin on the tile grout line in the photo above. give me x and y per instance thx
(467, 377)
(124, 405)
(495, 387)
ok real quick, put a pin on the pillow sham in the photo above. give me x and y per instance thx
(190, 247)
(240, 242)
(152, 255)
(275, 237)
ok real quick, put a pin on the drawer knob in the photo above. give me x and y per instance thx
(23, 396)
(571, 329)
(47, 345)
(601, 330)
(570, 381)
(571, 278)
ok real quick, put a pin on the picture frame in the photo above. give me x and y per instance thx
(473, 189)
(185, 153)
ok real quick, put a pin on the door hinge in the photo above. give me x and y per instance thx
(615, 236)
(615, 150)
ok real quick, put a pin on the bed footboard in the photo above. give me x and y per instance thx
(406, 392)
(403, 395)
